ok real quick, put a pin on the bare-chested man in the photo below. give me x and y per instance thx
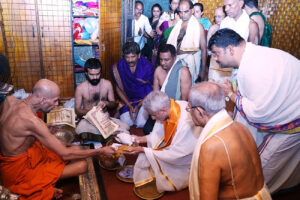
(95, 91)
(225, 164)
(171, 76)
(189, 38)
(31, 158)
(238, 20)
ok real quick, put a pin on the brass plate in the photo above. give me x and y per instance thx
(148, 191)
(126, 180)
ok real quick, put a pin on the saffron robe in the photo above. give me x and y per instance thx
(33, 174)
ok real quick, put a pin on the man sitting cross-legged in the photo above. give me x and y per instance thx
(32, 159)
(133, 76)
(95, 91)
(170, 145)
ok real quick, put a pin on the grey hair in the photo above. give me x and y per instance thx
(156, 100)
(209, 96)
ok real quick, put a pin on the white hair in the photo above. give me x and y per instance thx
(209, 96)
(156, 100)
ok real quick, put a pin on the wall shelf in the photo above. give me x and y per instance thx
(84, 16)
(84, 26)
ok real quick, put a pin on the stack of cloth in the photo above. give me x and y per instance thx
(86, 7)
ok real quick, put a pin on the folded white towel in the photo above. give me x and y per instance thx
(125, 138)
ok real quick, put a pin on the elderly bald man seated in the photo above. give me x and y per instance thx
(32, 159)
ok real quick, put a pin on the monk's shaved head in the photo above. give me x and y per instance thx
(45, 88)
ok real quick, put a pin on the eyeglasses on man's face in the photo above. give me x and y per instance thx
(189, 108)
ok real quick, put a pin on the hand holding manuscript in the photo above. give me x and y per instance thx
(61, 116)
(98, 118)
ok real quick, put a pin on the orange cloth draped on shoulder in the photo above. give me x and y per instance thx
(33, 174)
(170, 126)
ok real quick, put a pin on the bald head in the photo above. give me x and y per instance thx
(209, 96)
(185, 10)
(46, 88)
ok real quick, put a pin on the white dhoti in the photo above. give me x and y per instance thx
(190, 43)
(193, 62)
(269, 99)
(140, 120)
(280, 156)
(263, 194)
(169, 166)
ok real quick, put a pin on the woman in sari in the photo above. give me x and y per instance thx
(166, 27)
(156, 11)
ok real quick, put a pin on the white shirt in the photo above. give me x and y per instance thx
(143, 24)
(241, 26)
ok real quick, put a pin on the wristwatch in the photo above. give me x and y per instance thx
(227, 98)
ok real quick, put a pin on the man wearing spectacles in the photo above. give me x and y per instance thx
(169, 146)
(225, 163)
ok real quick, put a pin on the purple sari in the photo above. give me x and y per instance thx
(135, 86)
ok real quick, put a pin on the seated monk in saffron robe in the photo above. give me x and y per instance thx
(31, 158)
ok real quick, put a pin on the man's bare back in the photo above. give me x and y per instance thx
(87, 96)
(15, 126)
(245, 162)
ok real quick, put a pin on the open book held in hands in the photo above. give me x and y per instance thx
(98, 118)
(61, 116)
